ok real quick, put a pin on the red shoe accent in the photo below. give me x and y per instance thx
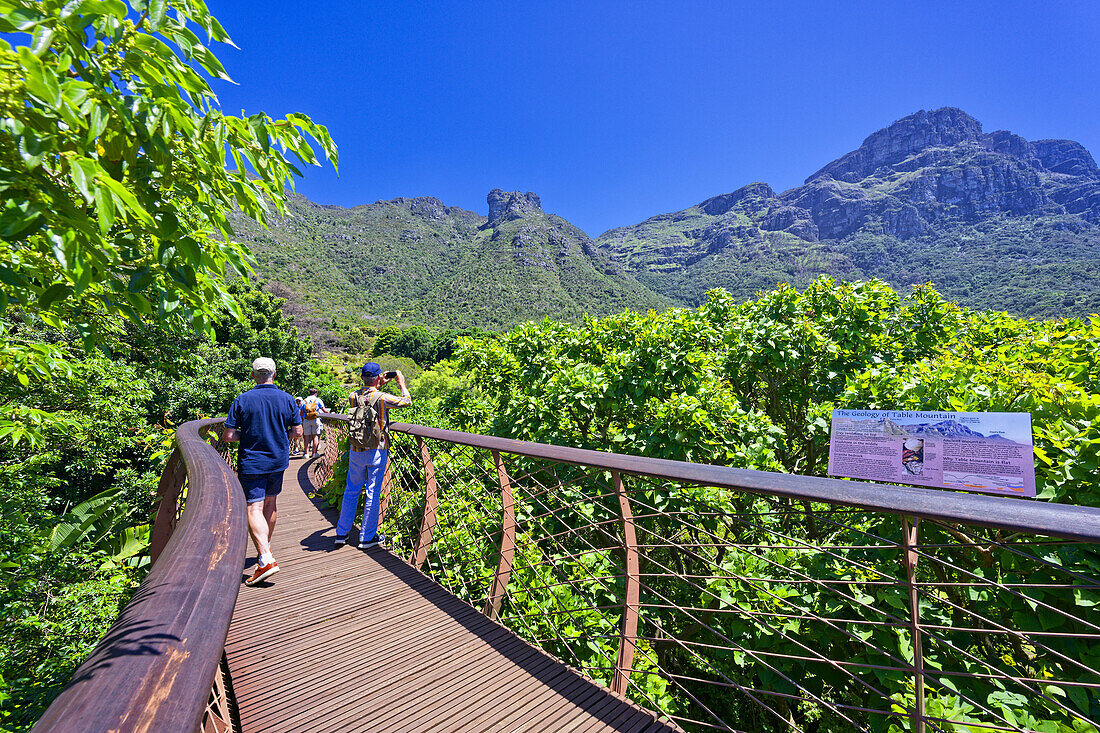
(262, 572)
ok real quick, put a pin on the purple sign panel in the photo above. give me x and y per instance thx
(972, 451)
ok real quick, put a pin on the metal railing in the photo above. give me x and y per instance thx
(160, 666)
(742, 600)
(723, 598)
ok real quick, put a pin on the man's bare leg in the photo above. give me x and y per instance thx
(270, 515)
(258, 526)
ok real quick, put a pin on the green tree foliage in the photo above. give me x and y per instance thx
(71, 510)
(115, 233)
(213, 372)
(75, 509)
(752, 385)
(114, 188)
(422, 345)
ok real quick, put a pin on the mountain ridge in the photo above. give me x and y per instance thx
(994, 220)
(893, 208)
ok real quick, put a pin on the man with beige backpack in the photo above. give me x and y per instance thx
(368, 452)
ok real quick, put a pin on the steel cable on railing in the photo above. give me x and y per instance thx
(584, 595)
(464, 525)
(592, 603)
(641, 691)
(761, 588)
(864, 572)
(1024, 636)
(564, 611)
(831, 623)
(1009, 723)
(553, 513)
(753, 653)
(880, 693)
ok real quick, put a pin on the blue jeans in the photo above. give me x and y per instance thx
(365, 471)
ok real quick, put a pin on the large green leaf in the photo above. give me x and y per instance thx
(88, 521)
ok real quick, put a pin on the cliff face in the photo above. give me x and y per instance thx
(939, 166)
(912, 186)
(511, 205)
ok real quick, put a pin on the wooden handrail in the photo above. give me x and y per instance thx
(154, 669)
(995, 512)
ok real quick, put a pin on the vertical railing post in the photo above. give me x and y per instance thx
(910, 527)
(171, 483)
(219, 717)
(629, 633)
(428, 520)
(507, 541)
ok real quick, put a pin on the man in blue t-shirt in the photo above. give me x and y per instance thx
(263, 419)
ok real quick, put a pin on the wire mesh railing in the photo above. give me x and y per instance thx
(700, 593)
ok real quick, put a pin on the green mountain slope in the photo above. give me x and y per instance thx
(418, 261)
(992, 219)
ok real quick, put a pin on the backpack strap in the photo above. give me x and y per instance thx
(374, 398)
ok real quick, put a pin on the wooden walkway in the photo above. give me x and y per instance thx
(356, 640)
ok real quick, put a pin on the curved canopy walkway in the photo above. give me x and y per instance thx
(359, 640)
(538, 587)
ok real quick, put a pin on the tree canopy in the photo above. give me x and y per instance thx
(114, 188)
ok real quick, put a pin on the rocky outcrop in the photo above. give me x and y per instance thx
(793, 220)
(511, 205)
(762, 205)
(754, 196)
(1066, 157)
(940, 128)
(935, 167)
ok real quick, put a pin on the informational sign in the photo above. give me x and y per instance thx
(972, 451)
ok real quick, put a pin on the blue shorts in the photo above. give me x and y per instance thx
(260, 485)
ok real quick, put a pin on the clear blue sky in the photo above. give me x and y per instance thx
(616, 111)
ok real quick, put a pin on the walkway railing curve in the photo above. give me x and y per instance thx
(724, 599)
(733, 599)
(159, 666)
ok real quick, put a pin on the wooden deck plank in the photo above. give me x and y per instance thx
(356, 640)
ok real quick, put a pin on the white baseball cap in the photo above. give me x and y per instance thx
(264, 364)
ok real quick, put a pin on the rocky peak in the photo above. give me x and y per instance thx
(939, 128)
(1003, 141)
(938, 166)
(426, 207)
(755, 193)
(509, 205)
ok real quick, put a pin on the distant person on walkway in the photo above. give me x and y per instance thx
(312, 409)
(263, 419)
(369, 452)
(297, 443)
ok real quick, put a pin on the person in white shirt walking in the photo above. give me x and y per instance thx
(312, 409)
